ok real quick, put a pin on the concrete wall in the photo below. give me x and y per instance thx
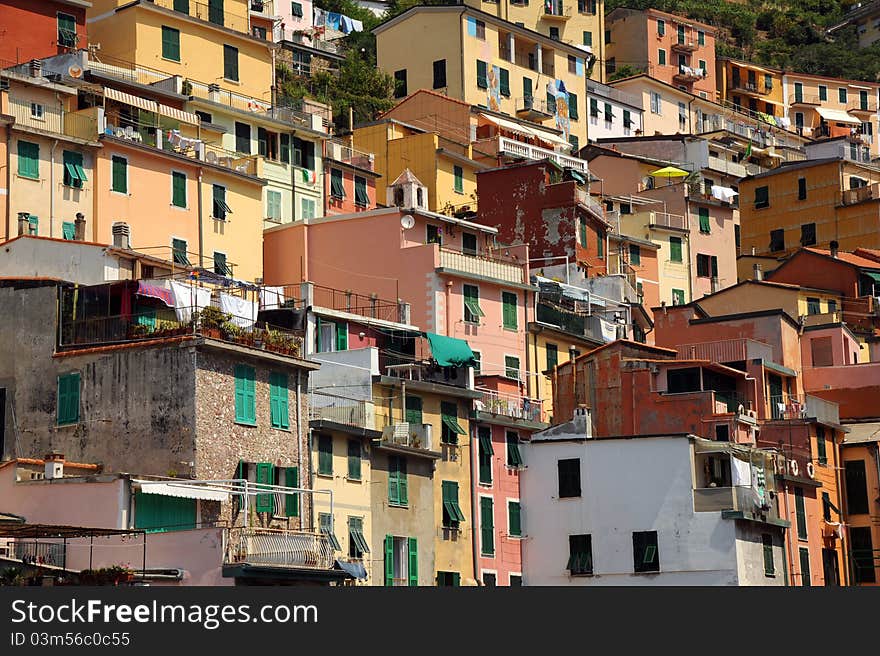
(86, 264)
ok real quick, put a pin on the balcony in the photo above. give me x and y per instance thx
(725, 351)
(865, 106)
(801, 99)
(277, 548)
(603, 91)
(263, 8)
(512, 148)
(211, 13)
(593, 205)
(821, 319)
(342, 152)
(787, 406)
(79, 125)
(486, 267)
(578, 324)
(533, 109)
(556, 11)
(825, 412)
(686, 45)
(346, 412)
(411, 436)
(666, 220)
(511, 406)
(688, 74)
(733, 168)
(750, 87)
(861, 194)
(719, 499)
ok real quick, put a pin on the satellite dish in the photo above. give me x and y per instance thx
(407, 222)
(75, 71)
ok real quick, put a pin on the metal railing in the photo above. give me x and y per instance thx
(212, 13)
(556, 9)
(667, 220)
(591, 203)
(825, 411)
(278, 548)
(576, 323)
(869, 105)
(728, 350)
(342, 152)
(481, 265)
(805, 99)
(371, 306)
(514, 148)
(41, 553)
(52, 119)
(533, 104)
(787, 406)
(514, 406)
(348, 412)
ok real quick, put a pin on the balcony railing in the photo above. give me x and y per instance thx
(869, 105)
(805, 99)
(787, 406)
(689, 74)
(556, 11)
(412, 436)
(52, 119)
(278, 548)
(825, 411)
(728, 350)
(348, 412)
(666, 220)
(717, 499)
(342, 152)
(732, 168)
(576, 323)
(533, 105)
(211, 13)
(513, 406)
(591, 203)
(42, 553)
(861, 194)
(480, 265)
(263, 7)
(513, 148)
(603, 91)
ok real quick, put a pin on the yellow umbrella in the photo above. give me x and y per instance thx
(669, 172)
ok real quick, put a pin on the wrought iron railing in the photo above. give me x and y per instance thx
(278, 548)
(489, 267)
(513, 406)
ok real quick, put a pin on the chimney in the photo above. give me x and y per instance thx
(758, 273)
(36, 67)
(54, 465)
(214, 92)
(121, 235)
(24, 223)
(834, 246)
(80, 227)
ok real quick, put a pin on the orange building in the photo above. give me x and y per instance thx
(861, 463)
(745, 86)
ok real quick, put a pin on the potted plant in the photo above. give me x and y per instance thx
(212, 321)
(138, 330)
(230, 331)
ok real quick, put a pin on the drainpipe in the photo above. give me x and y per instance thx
(690, 116)
(8, 180)
(52, 188)
(787, 536)
(201, 228)
(299, 458)
(847, 558)
(449, 329)
(474, 554)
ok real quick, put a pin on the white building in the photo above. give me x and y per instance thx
(613, 113)
(648, 510)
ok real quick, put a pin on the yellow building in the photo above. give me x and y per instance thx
(573, 21)
(866, 17)
(810, 203)
(670, 233)
(750, 87)
(445, 167)
(207, 44)
(483, 60)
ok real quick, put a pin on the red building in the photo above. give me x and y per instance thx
(349, 179)
(31, 29)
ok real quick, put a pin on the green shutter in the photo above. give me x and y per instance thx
(482, 75)
(230, 63)
(458, 172)
(240, 474)
(582, 229)
(325, 455)
(527, 92)
(413, 562)
(456, 579)
(119, 175)
(600, 244)
(551, 103)
(278, 400)
(28, 159)
(219, 207)
(68, 229)
(805, 566)
(245, 395)
(266, 476)
(801, 513)
(291, 501)
(361, 198)
(178, 252)
(156, 513)
(514, 458)
(341, 336)
(514, 520)
(67, 411)
(393, 488)
(170, 43)
(354, 460)
(402, 483)
(675, 249)
(389, 560)
(704, 220)
(413, 410)
(178, 189)
(767, 541)
(594, 107)
(337, 190)
(508, 300)
(572, 106)
(504, 85)
(487, 526)
(67, 36)
(74, 176)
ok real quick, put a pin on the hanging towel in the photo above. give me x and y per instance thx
(740, 473)
(243, 311)
(724, 194)
(333, 21)
(320, 17)
(609, 330)
(187, 297)
(271, 298)
(356, 25)
(345, 25)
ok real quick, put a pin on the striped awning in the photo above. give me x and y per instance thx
(178, 114)
(184, 491)
(129, 99)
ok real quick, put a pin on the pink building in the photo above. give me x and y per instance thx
(349, 179)
(297, 19)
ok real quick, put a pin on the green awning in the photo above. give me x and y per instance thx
(452, 425)
(872, 275)
(577, 176)
(450, 352)
(778, 368)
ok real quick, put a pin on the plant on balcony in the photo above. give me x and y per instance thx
(230, 331)
(281, 342)
(186, 88)
(113, 575)
(211, 320)
(138, 330)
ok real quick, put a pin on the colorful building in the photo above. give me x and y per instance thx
(483, 60)
(670, 48)
(33, 30)
(860, 455)
(613, 113)
(750, 87)
(349, 179)
(866, 17)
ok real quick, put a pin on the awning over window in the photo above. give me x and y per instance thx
(356, 570)
(453, 425)
(154, 291)
(453, 510)
(183, 491)
(874, 276)
(837, 115)
(778, 368)
(129, 99)
(451, 352)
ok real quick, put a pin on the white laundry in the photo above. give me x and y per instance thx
(271, 298)
(740, 473)
(609, 330)
(243, 311)
(186, 297)
(724, 194)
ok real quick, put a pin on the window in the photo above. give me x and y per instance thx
(841, 95)
(552, 351)
(514, 519)
(245, 395)
(862, 554)
(273, 205)
(802, 188)
(74, 175)
(705, 226)
(230, 63)
(554, 33)
(487, 526)
(215, 11)
(432, 234)
(267, 144)
(801, 513)
(813, 305)
(439, 74)
(308, 208)
(678, 297)
(243, 138)
(179, 252)
(477, 358)
(600, 244)
(458, 176)
(37, 111)
(170, 43)
(468, 243)
(413, 413)
(68, 230)
(656, 103)
(66, 30)
(580, 555)
(515, 580)
(823, 92)
(736, 236)
(508, 301)
(400, 83)
(221, 268)
(258, 32)
(28, 160)
(337, 191)
(451, 429)
(703, 265)
(767, 542)
(397, 482)
(472, 310)
(484, 455)
(808, 234)
(856, 487)
(832, 305)
(799, 119)
(514, 457)
(482, 75)
(265, 475)
(777, 239)
(278, 396)
(361, 198)
(609, 115)
(325, 522)
(551, 103)
(594, 107)
(490, 580)
(701, 39)
(588, 38)
(675, 249)
(569, 478)
(476, 28)
(452, 514)
(296, 9)
(178, 189)
(661, 57)
(220, 208)
(357, 543)
(504, 82)
(401, 561)
(821, 451)
(573, 106)
(511, 367)
(762, 197)
(646, 556)
(448, 579)
(325, 455)
(661, 27)
(304, 156)
(68, 399)
(635, 254)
